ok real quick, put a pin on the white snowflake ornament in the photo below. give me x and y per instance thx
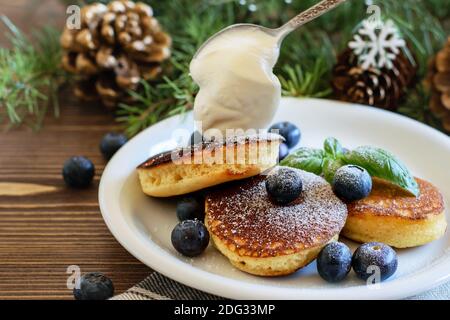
(375, 46)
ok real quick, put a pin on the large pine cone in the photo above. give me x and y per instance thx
(383, 87)
(117, 46)
(438, 80)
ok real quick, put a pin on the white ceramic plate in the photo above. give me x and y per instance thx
(143, 224)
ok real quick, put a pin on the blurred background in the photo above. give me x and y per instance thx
(313, 61)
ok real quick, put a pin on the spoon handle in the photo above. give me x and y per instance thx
(308, 15)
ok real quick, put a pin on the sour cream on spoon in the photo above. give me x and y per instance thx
(234, 70)
(237, 86)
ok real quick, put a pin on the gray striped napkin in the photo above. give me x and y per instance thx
(158, 287)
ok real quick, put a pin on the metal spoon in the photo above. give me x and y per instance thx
(283, 31)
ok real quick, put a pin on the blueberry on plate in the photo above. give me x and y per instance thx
(196, 137)
(284, 185)
(190, 237)
(289, 131)
(352, 182)
(111, 142)
(334, 262)
(93, 286)
(283, 152)
(78, 172)
(190, 208)
(374, 257)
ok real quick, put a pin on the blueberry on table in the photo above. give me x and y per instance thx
(190, 208)
(373, 257)
(352, 182)
(284, 185)
(93, 286)
(283, 152)
(190, 237)
(111, 142)
(289, 131)
(78, 172)
(334, 262)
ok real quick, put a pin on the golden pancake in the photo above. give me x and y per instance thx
(391, 216)
(264, 238)
(186, 170)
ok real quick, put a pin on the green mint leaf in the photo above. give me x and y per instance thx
(332, 147)
(330, 166)
(307, 159)
(382, 164)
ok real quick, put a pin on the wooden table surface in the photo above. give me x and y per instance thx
(45, 226)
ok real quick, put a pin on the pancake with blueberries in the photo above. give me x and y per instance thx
(392, 216)
(266, 238)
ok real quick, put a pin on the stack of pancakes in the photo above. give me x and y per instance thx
(263, 238)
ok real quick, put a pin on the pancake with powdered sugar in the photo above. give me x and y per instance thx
(265, 238)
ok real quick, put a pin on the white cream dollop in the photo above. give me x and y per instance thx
(238, 89)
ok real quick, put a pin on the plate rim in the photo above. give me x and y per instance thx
(226, 287)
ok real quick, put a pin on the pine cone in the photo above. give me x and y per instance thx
(383, 87)
(438, 81)
(117, 46)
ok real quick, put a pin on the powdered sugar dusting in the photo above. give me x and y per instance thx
(246, 217)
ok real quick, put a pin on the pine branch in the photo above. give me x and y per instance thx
(29, 76)
(155, 102)
(307, 56)
(298, 82)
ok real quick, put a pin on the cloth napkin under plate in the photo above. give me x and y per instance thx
(158, 287)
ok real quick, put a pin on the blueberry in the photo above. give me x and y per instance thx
(284, 151)
(289, 131)
(352, 183)
(284, 185)
(190, 208)
(196, 137)
(334, 262)
(93, 286)
(374, 255)
(190, 237)
(201, 195)
(111, 142)
(78, 172)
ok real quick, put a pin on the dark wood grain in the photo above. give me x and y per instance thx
(45, 226)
